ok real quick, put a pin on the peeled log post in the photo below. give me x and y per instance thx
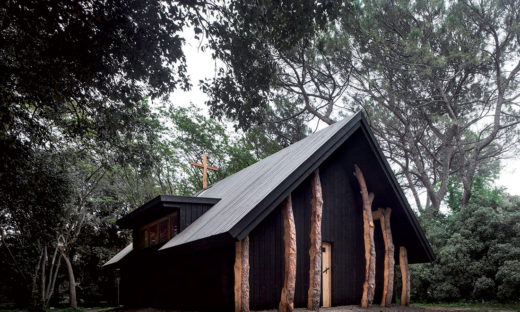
(380, 212)
(368, 237)
(405, 275)
(289, 238)
(313, 295)
(388, 287)
(391, 259)
(242, 275)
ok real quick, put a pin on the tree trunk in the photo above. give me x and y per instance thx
(238, 276)
(405, 276)
(313, 295)
(72, 281)
(368, 236)
(242, 275)
(388, 287)
(43, 278)
(289, 237)
(245, 275)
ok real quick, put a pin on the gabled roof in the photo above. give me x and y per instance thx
(243, 191)
(249, 195)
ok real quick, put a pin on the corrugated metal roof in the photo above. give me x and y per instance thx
(120, 255)
(241, 192)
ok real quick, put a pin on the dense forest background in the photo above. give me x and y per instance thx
(81, 143)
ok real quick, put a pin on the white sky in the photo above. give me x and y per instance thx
(202, 66)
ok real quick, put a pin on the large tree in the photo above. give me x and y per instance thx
(438, 81)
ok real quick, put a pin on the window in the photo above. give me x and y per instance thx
(159, 231)
(174, 224)
(163, 230)
(143, 238)
(154, 234)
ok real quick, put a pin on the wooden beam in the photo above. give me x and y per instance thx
(368, 236)
(289, 238)
(242, 275)
(202, 166)
(405, 275)
(238, 276)
(313, 294)
(388, 287)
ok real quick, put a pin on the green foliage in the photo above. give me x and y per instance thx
(191, 134)
(248, 39)
(477, 251)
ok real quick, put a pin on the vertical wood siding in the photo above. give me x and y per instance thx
(342, 226)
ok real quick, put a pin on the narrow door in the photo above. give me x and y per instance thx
(326, 273)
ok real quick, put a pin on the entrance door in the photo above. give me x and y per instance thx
(326, 273)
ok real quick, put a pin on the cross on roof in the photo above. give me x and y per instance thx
(205, 168)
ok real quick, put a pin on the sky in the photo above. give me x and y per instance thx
(202, 66)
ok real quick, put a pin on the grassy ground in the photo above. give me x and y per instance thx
(465, 306)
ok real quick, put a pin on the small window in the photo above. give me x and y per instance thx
(158, 231)
(174, 224)
(163, 230)
(154, 234)
(143, 238)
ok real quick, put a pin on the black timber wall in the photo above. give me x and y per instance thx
(342, 226)
(163, 279)
(197, 281)
(190, 213)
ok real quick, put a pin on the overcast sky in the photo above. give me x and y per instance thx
(202, 66)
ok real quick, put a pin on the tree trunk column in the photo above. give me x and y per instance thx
(289, 237)
(313, 295)
(368, 236)
(388, 287)
(242, 275)
(405, 275)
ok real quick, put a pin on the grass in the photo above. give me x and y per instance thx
(473, 306)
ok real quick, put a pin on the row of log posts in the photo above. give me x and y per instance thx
(242, 275)
(368, 238)
(383, 215)
(287, 296)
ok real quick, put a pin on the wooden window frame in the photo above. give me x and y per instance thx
(157, 223)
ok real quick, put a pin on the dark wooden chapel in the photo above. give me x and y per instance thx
(322, 222)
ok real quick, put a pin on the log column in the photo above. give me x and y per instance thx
(242, 275)
(368, 236)
(313, 295)
(289, 238)
(388, 287)
(405, 275)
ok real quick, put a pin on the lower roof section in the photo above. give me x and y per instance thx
(120, 255)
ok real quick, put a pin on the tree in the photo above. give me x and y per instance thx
(35, 192)
(477, 249)
(442, 85)
(81, 67)
(437, 80)
(249, 51)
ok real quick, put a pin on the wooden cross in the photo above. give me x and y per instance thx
(205, 168)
